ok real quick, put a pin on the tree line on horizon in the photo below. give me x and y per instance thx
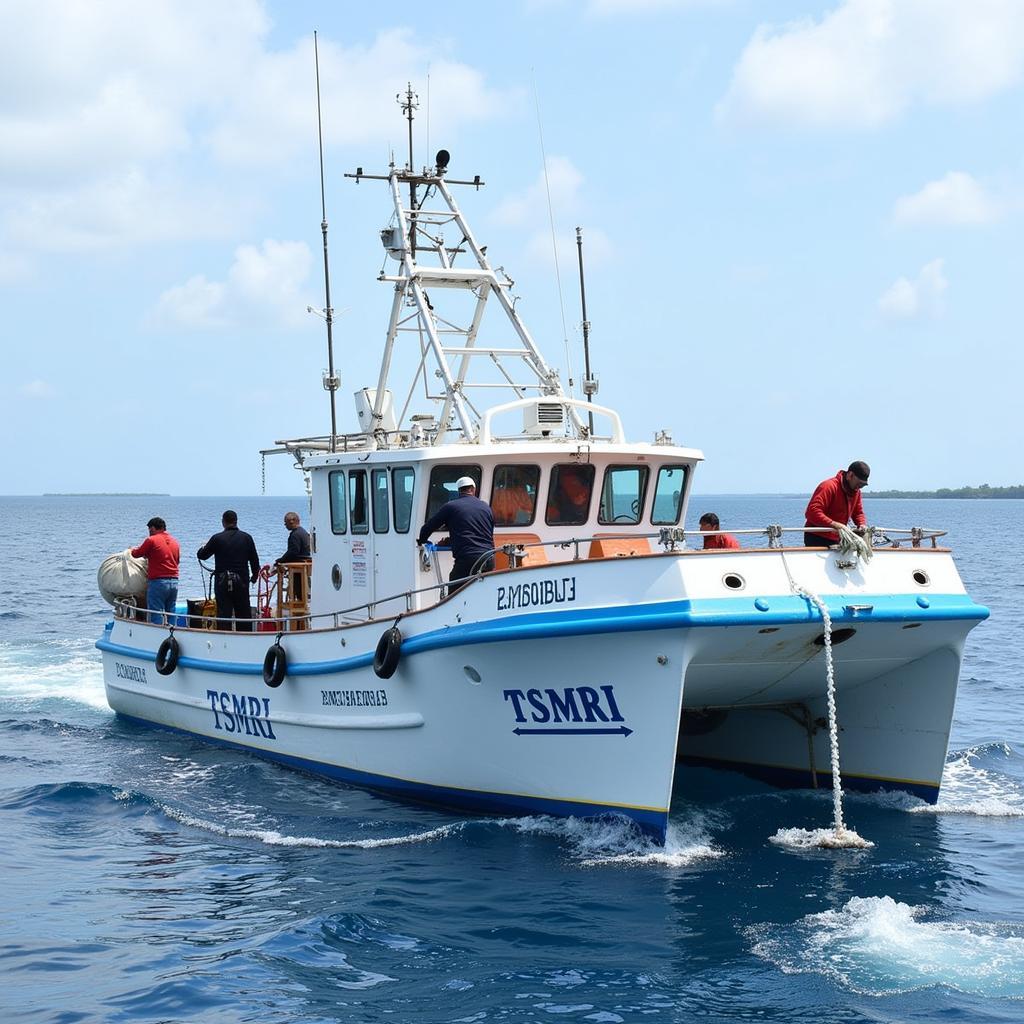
(983, 491)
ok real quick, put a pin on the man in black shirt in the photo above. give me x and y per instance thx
(470, 524)
(298, 550)
(298, 541)
(234, 554)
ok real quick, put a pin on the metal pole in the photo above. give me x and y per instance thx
(589, 384)
(331, 382)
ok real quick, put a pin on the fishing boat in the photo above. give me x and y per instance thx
(605, 649)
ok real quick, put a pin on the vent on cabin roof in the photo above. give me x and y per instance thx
(543, 418)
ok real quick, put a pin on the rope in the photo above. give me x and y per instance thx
(833, 725)
(840, 835)
(851, 543)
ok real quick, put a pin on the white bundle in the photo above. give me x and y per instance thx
(851, 543)
(122, 576)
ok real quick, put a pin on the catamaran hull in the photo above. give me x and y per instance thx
(576, 692)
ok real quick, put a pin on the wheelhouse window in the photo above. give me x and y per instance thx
(622, 495)
(442, 484)
(402, 480)
(339, 510)
(569, 494)
(358, 509)
(514, 495)
(668, 495)
(379, 479)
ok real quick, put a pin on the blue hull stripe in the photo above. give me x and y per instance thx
(650, 821)
(780, 611)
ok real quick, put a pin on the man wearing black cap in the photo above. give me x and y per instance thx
(470, 524)
(834, 503)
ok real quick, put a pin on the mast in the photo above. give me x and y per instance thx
(589, 383)
(409, 103)
(331, 380)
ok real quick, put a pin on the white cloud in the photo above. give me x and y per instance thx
(564, 182)
(112, 112)
(955, 200)
(123, 208)
(529, 210)
(906, 299)
(867, 61)
(37, 389)
(268, 285)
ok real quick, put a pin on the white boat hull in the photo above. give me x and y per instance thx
(576, 692)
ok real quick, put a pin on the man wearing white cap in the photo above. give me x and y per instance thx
(470, 524)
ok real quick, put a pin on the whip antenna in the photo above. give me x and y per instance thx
(589, 381)
(331, 380)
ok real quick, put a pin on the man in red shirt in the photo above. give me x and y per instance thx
(834, 503)
(162, 576)
(709, 521)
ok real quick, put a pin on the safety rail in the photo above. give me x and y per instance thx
(670, 538)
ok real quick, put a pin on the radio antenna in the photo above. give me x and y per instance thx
(331, 380)
(589, 382)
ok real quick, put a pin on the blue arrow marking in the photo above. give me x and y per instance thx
(620, 730)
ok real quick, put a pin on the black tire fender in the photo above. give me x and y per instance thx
(388, 653)
(167, 656)
(275, 665)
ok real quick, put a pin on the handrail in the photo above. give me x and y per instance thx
(617, 435)
(668, 537)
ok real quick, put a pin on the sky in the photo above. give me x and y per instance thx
(802, 224)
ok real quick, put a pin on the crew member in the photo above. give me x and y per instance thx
(709, 521)
(836, 502)
(298, 549)
(236, 565)
(164, 554)
(470, 524)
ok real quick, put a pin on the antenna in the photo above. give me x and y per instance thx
(331, 380)
(554, 241)
(589, 382)
(409, 103)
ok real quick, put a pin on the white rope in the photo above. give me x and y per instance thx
(851, 543)
(840, 836)
(833, 725)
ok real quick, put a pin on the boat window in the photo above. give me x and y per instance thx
(358, 512)
(622, 496)
(668, 495)
(569, 495)
(380, 500)
(339, 511)
(401, 494)
(514, 495)
(442, 484)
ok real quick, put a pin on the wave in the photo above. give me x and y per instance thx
(67, 669)
(880, 947)
(609, 841)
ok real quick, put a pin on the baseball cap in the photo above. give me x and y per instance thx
(464, 481)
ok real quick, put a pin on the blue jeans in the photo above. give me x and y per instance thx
(161, 596)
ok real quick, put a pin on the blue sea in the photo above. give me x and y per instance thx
(150, 877)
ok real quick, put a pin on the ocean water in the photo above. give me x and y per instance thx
(150, 877)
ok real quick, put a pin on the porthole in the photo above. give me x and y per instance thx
(336, 576)
(471, 674)
(839, 636)
(921, 578)
(912, 625)
(769, 629)
(734, 581)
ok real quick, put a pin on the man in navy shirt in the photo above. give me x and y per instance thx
(470, 524)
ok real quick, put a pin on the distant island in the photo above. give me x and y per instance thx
(104, 494)
(984, 491)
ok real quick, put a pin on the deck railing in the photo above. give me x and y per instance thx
(670, 538)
